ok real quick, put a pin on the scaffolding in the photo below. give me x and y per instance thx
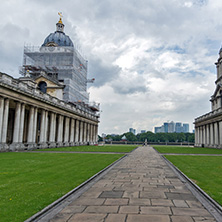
(64, 63)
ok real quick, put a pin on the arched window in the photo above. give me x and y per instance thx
(42, 86)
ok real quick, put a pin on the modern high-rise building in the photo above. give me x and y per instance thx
(171, 127)
(165, 125)
(186, 128)
(178, 127)
(131, 130)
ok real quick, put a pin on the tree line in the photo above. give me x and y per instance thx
(152, 137)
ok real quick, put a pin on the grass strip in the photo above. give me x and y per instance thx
(186, 150)
(205, 171)
(31, 181)
(106, 148)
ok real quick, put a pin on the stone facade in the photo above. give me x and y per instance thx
(31, 119)
(208, 128)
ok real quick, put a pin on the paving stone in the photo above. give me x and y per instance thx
(101, 209)
(148, 218)
(116, 201)
(61, 217)
(166, 186)
(87, 218)
(162, 202)
(87, 201)
(181, 219)
(190, 211)
(204, 219)
(153, 194)
(155, 189)
(139, 202)
(180, 203)
(195, 204)
(73, 209)
(91, 194)
(116, 218)
(131, 194)
(156, 210)
(111, 194)
(180, 196)
(129, 210)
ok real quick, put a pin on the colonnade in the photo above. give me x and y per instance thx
(209, 134)
(27, 126)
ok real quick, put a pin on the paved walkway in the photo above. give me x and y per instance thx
(141, 188)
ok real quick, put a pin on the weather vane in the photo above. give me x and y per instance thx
(60, 14)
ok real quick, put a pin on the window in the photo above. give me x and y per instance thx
(42, 86)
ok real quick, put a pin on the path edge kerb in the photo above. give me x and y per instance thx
(213, 203)
(58, 201)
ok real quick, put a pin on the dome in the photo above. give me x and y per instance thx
(58, 39)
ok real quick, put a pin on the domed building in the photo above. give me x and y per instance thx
(49, 105)
(59, 61)
(58, 38)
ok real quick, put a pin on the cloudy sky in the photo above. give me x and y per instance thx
(153, 60)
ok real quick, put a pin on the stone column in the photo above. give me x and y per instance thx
(77, 132)
(208, 134)
(35, 124)
(22, 119)
(5, 121)
(16, 129)
(46, 127)
(200, 137)
(85, 133)
(91, 134)
(30, 127)
(196, 137)
(204, 135)
(1, 116)
(96, 134)
(60, 131)
(220, 131)
(216, 133)
(52, 130)
(81, 132)
(211, 135)
(72, 130)
(66, 136)
(88, 133)
(42, 127)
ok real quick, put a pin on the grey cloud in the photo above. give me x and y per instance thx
(102, 72)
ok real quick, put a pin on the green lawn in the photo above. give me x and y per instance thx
(205, 171)
(31, 181)
(106, 148)
(186, 150)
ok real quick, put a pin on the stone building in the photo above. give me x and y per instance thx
(49, 106)
(208, 127)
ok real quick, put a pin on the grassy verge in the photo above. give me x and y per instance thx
(31, 181)
(205, 171)
(106, 148)
(186, 150)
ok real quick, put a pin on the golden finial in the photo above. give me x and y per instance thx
(60, 19)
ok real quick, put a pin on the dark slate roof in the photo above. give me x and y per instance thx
(59, 38)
